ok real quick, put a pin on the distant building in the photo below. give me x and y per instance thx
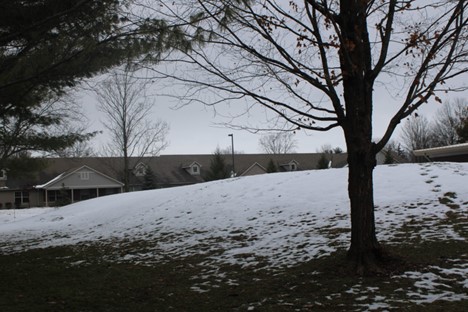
(454, 153)
(68, 180)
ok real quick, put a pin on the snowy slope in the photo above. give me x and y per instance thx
(285, 217)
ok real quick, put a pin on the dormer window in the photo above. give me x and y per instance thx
(140, 170)
(290, 166)
(193, 168)
(3, 174)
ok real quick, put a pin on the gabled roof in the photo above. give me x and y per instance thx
(140, 164)
(292, 161)
(53, 181)
(70, 172)
(191, 165)
(168, 169)
(251, 169)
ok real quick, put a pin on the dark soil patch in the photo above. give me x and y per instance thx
(76, 278)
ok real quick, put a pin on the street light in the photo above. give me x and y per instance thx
(232, 145)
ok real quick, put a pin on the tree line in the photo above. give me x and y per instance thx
(449, 126)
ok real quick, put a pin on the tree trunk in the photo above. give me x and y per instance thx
(126, 173)
(365, 249)
(125, 146)
(126, 163)
(356, 66)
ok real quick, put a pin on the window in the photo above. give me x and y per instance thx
(21, 197)
(84, 175)
(140, 170)
(52, 196)
(192, 169)
(3, 175)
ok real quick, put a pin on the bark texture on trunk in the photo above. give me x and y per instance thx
(364, 250)
(356, 66)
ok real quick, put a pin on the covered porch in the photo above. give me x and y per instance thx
(71, 195)
(77, 185)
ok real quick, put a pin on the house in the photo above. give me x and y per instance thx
(76, 185)
(72, 185)
(67, 180)
(455, 153)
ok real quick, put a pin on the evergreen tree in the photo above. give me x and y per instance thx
(37, 129)
(23, 166)
(218, 168)
(63, 197)
(388, 157)
(337, 150)
(149, 180)
(49, 46)
(323, 162)
(271, 167)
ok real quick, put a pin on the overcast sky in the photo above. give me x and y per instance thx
(196, 129)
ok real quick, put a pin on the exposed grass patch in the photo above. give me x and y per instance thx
(451, 195)
(448, 200)
(76, 278)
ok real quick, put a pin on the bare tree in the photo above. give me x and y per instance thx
(77, 150)
(448, 120)
(417, 133)
(278, 143)
(462, 130)
(228, 150)
(318, 64)
(75, 122)
(328, 149)
(127, 110)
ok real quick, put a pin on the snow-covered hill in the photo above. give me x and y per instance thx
(284, 217)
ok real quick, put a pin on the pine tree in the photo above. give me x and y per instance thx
(218, 168)
(323, 162)
(271, 167)
(48, 47)
(388, 157)
(149, 180)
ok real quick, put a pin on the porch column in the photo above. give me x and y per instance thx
(46, 198)
(97, 192)
(72, 197)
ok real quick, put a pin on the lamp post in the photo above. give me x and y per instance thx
(232, 145)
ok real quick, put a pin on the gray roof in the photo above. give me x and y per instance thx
(451, 150)
(169, 169)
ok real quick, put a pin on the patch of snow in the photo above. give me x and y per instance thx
(274, 219)
(15, 215)
(285, 217)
